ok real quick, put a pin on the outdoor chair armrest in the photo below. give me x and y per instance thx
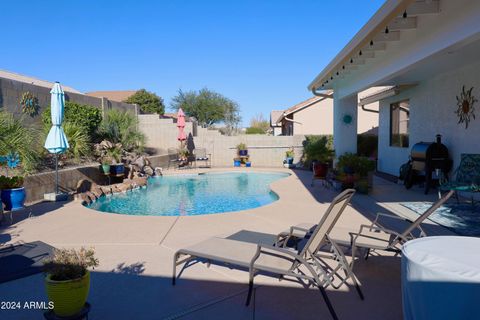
(354, 236)
(287, 237)
(279, 250)
(393, 216)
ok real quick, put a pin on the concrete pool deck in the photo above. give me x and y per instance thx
(133, 280)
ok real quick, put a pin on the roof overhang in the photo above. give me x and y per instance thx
(384, 93)
(371, 37)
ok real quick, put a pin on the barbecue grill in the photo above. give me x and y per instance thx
(428, 157)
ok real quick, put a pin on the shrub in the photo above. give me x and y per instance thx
(70, 264)
(148, 102)
(241, 146)
(11, 182)
(358, 164)
(255, 130)
(14, 137)
(78, 139)
(319, 148)
(121, 127)
(83, 115)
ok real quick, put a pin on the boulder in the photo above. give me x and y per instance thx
(148, 171)
(140, 181)
(83, 185)
(140, 162)
(158, 171)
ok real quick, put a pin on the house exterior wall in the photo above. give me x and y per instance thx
(316, 119)
(432, 107)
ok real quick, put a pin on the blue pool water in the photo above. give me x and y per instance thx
(194, 194)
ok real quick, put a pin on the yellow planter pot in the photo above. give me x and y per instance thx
(68, 296)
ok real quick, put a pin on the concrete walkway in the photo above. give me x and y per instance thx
(135, 252)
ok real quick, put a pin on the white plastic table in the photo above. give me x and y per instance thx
(441, 278)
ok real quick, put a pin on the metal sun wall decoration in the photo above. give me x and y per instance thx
(465, 109)
(29, 104)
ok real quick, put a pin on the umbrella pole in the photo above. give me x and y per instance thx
(56, 173)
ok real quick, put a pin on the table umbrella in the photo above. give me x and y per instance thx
(56, 142)
(181, 126)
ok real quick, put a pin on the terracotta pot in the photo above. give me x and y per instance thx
(320, 169)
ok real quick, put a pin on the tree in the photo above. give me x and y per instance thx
(208, 107)
(148, 102)
(258, 125)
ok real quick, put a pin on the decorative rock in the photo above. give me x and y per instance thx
(148, 171)
(83, 185)
(140, 163)
(140, 181)
(158, 171)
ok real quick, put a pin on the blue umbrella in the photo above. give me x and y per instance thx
(57, 142)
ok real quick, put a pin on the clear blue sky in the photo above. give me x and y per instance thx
(262, 54)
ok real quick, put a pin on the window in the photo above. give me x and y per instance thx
(399, 118)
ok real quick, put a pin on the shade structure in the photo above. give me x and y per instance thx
(181, 125)
(57, 142)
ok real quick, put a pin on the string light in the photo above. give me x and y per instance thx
(404, 14)
(343, 67)
(371, 42)
(360, 53)
(386, 30)
(351, 60)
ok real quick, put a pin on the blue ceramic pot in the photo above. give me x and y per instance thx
(117, 169)
(13, 199)
(243, 152)
(289, 160)
(237, 163)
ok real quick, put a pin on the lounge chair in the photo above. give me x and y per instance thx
(377, 237)
(305, 266)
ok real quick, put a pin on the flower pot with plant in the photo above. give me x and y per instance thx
(242, 150)
(67, 279)
(289, 155)
(105, 164)
(318, 154)
(12, 192)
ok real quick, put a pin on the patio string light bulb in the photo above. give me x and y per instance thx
(404, 14)
(371, 42)
(386, 30)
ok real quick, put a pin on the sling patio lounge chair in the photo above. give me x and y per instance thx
(377, 237)
(306, 266)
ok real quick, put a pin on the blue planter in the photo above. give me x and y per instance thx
(289, 160)
(243, 153)
(248, 164)
(13, 199)
(117, 169)
(237, 163)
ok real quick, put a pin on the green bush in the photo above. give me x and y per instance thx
(11, 182)
(148, 102)
(367, 145)
(255, 130)
(121, 127)
(318, 148)
(78, 139)
(14, 137)
(83, 115)
(358, 164)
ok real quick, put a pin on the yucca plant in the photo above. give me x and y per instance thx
(78, 139)
(14, 137)
(121, 127)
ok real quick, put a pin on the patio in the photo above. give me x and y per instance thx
(133, 280)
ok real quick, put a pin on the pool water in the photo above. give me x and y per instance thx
(194, 194)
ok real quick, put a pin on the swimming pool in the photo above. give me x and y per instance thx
(194, 194)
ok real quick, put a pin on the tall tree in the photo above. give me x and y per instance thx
(259, 123)
(148, 102)
(208, 107)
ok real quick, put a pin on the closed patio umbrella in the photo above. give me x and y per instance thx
(57, 142)
(181, 126)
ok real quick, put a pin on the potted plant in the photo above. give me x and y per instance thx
(183, 156)
(105, 162)
(242, 149)
(67, 279)
(12, 192)
(319, 153)
(289, 155)
(347, 162)
(112, 152)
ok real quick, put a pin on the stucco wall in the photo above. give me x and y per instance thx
(11, 92)
(432, 107)
(265, 151)
(315, 119)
